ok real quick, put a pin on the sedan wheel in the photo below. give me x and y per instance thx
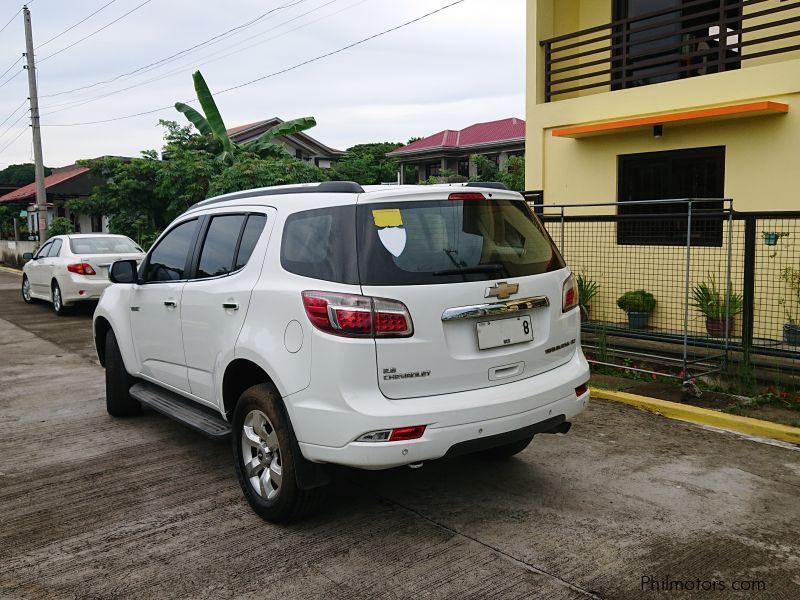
(261, 455)
(58, 301)
(26, 290)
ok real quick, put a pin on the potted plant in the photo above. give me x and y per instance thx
(771, 237)
(587, 290)
(791, 329)
(638, 304)
(711, 303)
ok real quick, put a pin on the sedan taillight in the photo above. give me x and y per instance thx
(81, 269)
(352, 315)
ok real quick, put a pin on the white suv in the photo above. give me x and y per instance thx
(325, 324)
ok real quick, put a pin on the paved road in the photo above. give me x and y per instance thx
(93, 507)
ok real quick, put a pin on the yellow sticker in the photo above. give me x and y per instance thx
(387, 217)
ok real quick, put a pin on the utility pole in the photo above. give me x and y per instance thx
(41, 195)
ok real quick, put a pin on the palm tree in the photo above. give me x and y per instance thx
(212, 124)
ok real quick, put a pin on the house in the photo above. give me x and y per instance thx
(451, 149)
(637, 100)
(301, 145)
(62, 185)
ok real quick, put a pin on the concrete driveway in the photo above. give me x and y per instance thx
(94, 507)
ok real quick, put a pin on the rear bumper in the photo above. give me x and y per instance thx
(440, 441)
(450, 419)
(73, 285)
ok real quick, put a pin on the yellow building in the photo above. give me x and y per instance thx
(646, 99)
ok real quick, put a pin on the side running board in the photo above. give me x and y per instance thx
(182, 410)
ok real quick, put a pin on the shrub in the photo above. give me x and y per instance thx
(711, 302)
(637, 301)
(587, 289)
(60, 226)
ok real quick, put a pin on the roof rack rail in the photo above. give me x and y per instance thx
(326, 187)
(494, 185)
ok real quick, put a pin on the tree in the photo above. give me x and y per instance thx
(367, 164)
(512, 174)
(212, 124)
(250, 171)
(60, 226)
(19, 175)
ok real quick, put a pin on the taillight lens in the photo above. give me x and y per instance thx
(353, 315)
(81, 269)
(569, 294)
(466, 196)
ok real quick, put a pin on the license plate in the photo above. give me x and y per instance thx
(504, 332)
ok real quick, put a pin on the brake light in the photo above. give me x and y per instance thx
(352, 315)
(81, 269)
(581, 390)
(466, 196)
(399, 434)
(569, 294)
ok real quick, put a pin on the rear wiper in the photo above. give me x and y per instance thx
(487, 268)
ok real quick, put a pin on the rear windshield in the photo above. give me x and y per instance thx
(444, 241)
(103, 245)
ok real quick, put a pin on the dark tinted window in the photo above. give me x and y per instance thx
(321, 243)
(54, 249)
(167, 262)
(252, 231)
(219, 247)
(444, 241)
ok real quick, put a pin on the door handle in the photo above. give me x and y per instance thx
(170, 303)
(230, 305)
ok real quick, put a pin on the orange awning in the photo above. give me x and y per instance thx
(686, 117)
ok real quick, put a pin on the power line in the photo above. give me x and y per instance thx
(86, 18)
(10, 79)
(245, 25)
(10, 127)
(81, 102)
(95, 32)
(11, 20)
(13, 112)
(16, 137)
(270, 75)
(14, 64)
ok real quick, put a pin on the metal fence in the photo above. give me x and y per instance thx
(726, 285)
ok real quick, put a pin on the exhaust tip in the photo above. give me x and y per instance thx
(416, 465)
(561, 428)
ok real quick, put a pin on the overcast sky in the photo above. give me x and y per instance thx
(460, 66)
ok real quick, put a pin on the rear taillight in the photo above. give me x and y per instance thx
(81, 269)
(581, 390)
(353, 315)
(569, 294)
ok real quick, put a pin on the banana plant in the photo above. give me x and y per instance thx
(212, 124)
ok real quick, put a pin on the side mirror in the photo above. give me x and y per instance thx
(27, 256)
(123, 271)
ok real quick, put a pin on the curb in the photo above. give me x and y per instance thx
(10, 270)
(703, 416)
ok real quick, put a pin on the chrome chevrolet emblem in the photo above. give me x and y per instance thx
(501, 290)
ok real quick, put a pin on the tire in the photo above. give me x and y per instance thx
(507, 450)
(265, 455)
(118, 382)
(58, 300)
(25, 290)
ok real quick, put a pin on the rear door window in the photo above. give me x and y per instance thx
(167, 261)
(219, 248)
(252, 231)
(55, 249)
(444, 241)
(321, 244)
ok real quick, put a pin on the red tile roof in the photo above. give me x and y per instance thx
(474, 135)
(29, 191)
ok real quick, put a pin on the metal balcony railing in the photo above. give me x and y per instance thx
(697, 38)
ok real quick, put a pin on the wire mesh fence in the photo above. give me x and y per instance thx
(683, 288)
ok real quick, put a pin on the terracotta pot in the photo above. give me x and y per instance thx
(716, 326)
(585, 310)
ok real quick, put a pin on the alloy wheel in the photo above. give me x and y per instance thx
(57, 299)
(26, 289)
(261, 455)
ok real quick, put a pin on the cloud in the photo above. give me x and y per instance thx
(458, 67)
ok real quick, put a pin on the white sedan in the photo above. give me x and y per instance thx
(73, 268)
